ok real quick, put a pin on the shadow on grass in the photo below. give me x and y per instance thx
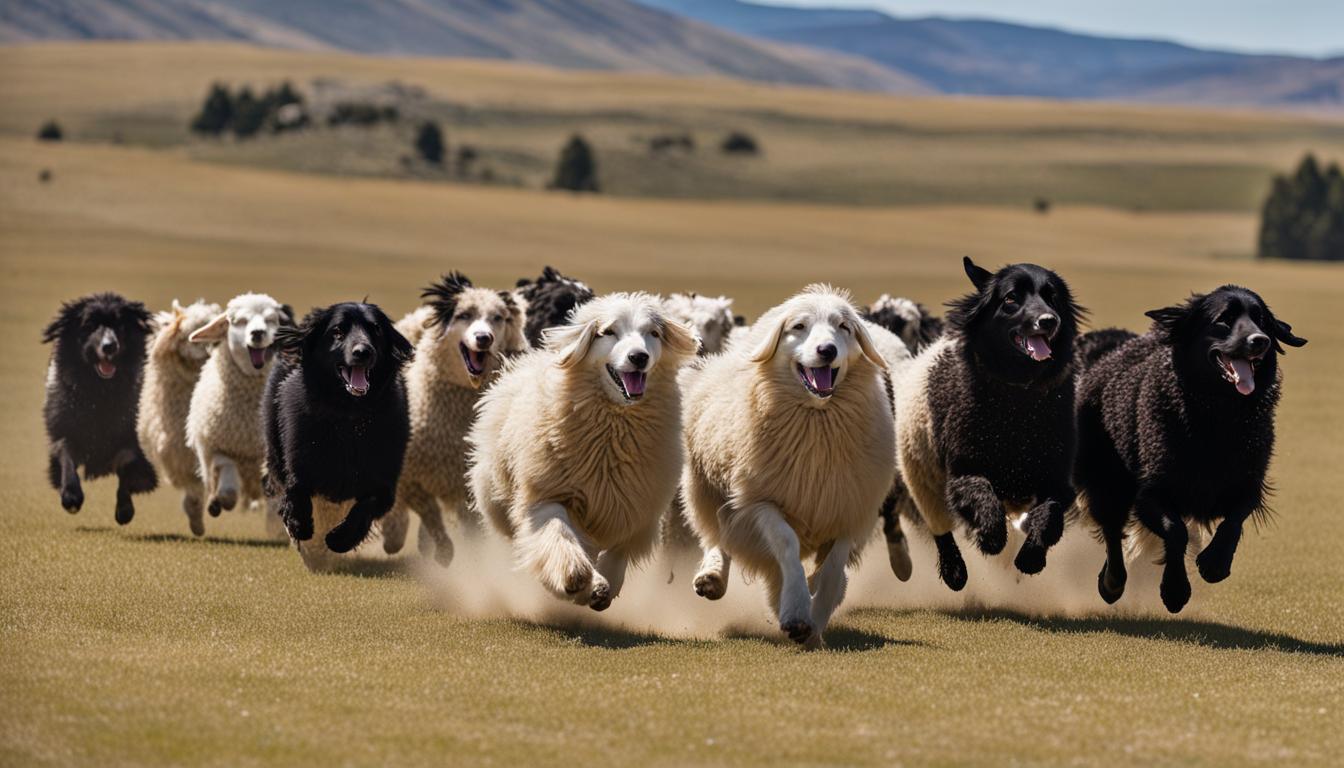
(1208, 634)
(590, 634)
(369, 567)
(181, 538)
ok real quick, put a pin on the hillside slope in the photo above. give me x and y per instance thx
(581, 34)
(996, 58)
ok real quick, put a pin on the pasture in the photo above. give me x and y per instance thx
(141, 645)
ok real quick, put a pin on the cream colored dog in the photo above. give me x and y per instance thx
(790, 452)
(576, 448)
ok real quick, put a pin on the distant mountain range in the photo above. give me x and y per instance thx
(858, 49)
(996, 58)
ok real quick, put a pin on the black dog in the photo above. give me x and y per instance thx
(1178, 425)
(336, 419)
(1000, 401)
(550, 298)
(93, 394)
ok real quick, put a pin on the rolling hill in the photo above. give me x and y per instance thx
(578, 34)
(995, 58)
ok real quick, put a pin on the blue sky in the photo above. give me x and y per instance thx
(1305, 27)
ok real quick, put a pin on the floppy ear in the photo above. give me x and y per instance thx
(514, 341)
(215, 330)
(286, 315)
(58, 324)
(866, 344)
(571, 341)
(402, 349)
(766, 349)
(680, 338)
(1168, 321)
(1284, 332)
(979, 277)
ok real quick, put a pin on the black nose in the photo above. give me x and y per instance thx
(1047, 323)
(258, 335)
(484, 340)
(827, 352)
(1257, 343)
(360, 353)
(638, 359)
(109, 346)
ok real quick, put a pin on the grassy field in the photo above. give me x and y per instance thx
(819, 146)
(140, 645)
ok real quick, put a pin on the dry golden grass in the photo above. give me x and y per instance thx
(820, 145)
(139, 646)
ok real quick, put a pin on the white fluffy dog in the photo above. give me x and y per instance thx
(576, 448)
(224, 421)
(711, 318)
(790, 452)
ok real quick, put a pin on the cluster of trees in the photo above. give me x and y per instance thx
(362, 114)
(244, 114)
(576, 170)
(50, 131)
(1303, 217)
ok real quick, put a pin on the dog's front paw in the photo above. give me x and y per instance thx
(348, 534)
(710, 585)
(296, 512)
(125, 510)
(991, 535)
(601, 597)
(1111, 585)
(951, 566)
(1175, 590)
(72, 498)
(1213, 565)
(1030, 558)
(579, 578)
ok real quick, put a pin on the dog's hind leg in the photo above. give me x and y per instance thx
(1175, 587)
(1044, 527)
(609, 579)
(134, 475)
(393, 527)
(226, 485)
(194, 509)
(65, 475)
(829, 584)
(711, 580)
(555, 551)
(898, 549)
(794, 605)
(1215, 562)
(433, 533)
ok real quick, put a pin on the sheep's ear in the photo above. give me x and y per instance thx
(571, 341)
(980, 277)
(766, 349)
(177, 308)
(215, 330)
(514, 340)
(866, 344)
(680, 338)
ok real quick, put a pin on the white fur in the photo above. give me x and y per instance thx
(711, 318)
(775, 473)
(564, 466)
(172, 368)
(224, 422)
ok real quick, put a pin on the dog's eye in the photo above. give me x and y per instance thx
(799, 326)
(607, 332)
(1010, 302)
(497, 319)
(463, 316)
(336, 334)
(845, 327)
(655, 334)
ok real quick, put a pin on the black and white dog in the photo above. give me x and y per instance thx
(1177, 426)
(986, 417)
(548, 301)
(336, 419)
(93, 393)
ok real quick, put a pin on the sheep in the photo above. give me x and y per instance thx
(223, 420)
(171, 371)
(576, 449)
(463, 334)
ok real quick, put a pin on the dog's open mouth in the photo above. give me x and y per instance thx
(818, 381)
(1036, 346)
(1238, 371)
(258, 356)
(475, 361)
(105, 368)
(356, 379)
(630, 382)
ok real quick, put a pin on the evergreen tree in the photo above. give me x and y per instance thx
(577, 168)
(50, 131)
(249, 114)
(429, 143)
(216, 113)
(1303, 217)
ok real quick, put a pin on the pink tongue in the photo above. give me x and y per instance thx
(1245, 376)
(258, 356)
(477, 359)
(633, 382)
(358, 380)
(1038, 348)
(821, 378)
(106, 368)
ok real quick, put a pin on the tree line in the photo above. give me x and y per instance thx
(1303, 217)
